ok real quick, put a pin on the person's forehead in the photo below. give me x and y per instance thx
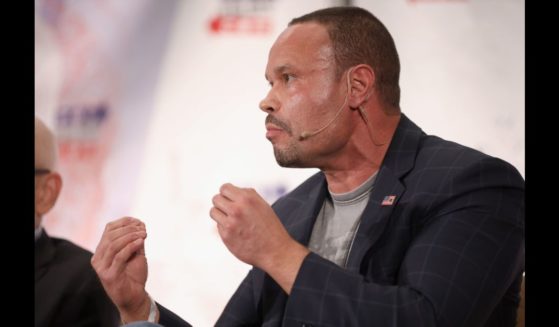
(304, 33)
(301, 44)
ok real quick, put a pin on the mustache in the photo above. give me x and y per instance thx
(273, 120)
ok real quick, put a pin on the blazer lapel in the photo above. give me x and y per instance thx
(375, 216)
(302, 219)
(387, 191)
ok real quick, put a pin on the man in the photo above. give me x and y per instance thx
(398, 229)
(67, 290)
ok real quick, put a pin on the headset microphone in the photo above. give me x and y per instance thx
(305, 135)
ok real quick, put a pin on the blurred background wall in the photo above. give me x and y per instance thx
(155, 105)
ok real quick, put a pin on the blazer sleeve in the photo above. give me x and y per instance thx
(168, 319)
(241, 310)
(243, 307)
(467, 251)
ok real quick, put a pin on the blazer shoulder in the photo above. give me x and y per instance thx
(435, 152)
(72, 256)
(69, 248)
(438, 151)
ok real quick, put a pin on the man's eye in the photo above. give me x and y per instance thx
(287, 77)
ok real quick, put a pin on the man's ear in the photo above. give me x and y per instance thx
(48, 193)
(361, 84)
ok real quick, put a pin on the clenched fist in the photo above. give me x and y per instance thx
(254, 234)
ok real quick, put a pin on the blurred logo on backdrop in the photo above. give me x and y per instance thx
(85, 133)
(246, 17)
(82, 118)
(94, 85)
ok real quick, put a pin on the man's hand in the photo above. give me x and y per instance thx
(121, 265)
(254, 234)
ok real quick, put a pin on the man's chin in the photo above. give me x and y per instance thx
(285, 159)
(286, 164)
(289, 161)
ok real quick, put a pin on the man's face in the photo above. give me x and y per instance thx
(39, 189)
(47, 188)
(304, 96)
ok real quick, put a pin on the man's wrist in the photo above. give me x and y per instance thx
(285, 265)
(142, 313)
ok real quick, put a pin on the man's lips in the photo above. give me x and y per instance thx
(273, 130)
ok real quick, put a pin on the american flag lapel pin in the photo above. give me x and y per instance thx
(388, 200)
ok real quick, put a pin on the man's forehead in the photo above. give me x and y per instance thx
(301, 44)
(303, 34)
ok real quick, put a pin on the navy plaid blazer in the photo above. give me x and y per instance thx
(448, 251)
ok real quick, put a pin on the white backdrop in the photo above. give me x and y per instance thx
(192, 123)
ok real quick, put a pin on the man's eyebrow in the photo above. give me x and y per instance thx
(278, 70)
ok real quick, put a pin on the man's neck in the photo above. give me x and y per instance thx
(343, 181)
(363, 157)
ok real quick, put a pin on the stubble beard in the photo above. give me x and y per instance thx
(287, 157)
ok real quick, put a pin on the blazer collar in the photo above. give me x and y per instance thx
(400, 157)
(399, 160)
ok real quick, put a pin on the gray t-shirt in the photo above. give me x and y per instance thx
(337, 222)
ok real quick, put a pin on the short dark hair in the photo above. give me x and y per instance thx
(358, 37)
